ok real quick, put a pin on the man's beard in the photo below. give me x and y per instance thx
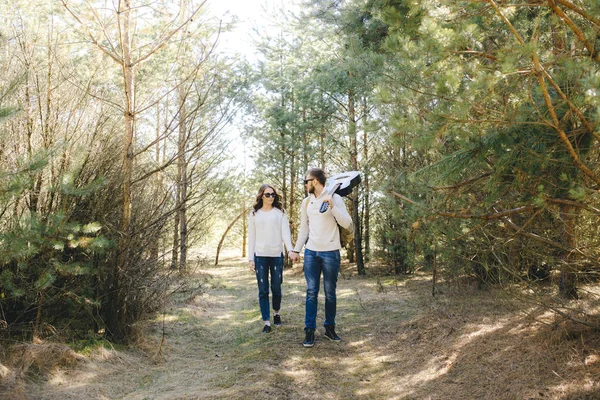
(311, 190)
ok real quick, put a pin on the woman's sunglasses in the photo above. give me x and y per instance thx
(273, 195)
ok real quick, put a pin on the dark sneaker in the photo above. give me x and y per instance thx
(277, 320)
(267, 329)
(309, 340)
(330, 334)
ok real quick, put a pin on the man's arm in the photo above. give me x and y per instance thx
(340, 213)
(303, 231)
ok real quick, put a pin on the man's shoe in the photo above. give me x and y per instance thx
(309, 340)
(330, 334)
(277, 320)
(267, 329)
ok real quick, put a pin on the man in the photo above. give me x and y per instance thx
(320, 232)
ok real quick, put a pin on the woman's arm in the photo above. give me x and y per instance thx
(286, 235)
(251, 236)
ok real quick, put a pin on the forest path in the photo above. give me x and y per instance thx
(398, 342)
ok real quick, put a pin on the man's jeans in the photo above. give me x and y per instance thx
(329, 263)
(264, 267)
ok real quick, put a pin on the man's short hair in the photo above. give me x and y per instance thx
(318, 174)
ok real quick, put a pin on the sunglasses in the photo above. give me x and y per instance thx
(308, 180)
(273, 195)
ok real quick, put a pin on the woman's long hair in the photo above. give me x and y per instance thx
(259, 199)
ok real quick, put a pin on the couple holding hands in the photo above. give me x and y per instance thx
(269, 229)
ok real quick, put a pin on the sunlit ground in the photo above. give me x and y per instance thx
(398, 342)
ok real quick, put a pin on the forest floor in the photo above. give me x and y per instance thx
(398, 342)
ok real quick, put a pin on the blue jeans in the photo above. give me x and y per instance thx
(316, 262)
(264, 267)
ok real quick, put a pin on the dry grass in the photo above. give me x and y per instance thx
(398, 343)
(32, 361)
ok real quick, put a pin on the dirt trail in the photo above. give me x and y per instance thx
(397, 343)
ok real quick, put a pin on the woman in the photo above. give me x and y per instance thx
(268, 229)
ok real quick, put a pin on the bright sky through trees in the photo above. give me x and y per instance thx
(252, 17)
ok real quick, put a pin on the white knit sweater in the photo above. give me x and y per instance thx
(267, 232)
(321, 229)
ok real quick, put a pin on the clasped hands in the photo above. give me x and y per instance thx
(293, 256)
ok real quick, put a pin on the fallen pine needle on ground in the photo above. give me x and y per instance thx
(398, 342)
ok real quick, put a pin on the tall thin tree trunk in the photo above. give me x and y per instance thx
(38, 317)
(182, 158)
(48, 128)
(568, 278)
(116, 321)
(291, 209)
(351, 245)
(244, 231)
(322, 142)
(305, 160)
(322, 151)
(292, 157)
(176, 222)
(283, 171)
(434, 273)
(366, 167)
(220, 245)
(295, 175)
(29, 99)
(304, 152)
(154, 249)
(182, 182)
(360, 265)
(289, 205)
(128, 83)
(183, 236)
(245, 210)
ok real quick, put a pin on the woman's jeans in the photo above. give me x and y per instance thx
(316, 262)
(264, 267)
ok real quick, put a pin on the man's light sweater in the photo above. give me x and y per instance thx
(321, 229)
(267, 232)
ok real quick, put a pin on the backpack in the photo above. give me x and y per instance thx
(346, 235)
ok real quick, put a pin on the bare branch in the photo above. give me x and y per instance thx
(99, 20)
(572, 107)
(561, 133)
(492, 121)
(578, 32)
(91, 36)
(544, 240)
(530, 220)
(166, 39)
(496, 215)
(573, 204)
(478, 53)
(579, 11)
(577, 320)
(556, 123)
(464, 183)
(506, 21)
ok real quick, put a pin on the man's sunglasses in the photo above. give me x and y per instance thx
(273, 195)
(308, 180)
